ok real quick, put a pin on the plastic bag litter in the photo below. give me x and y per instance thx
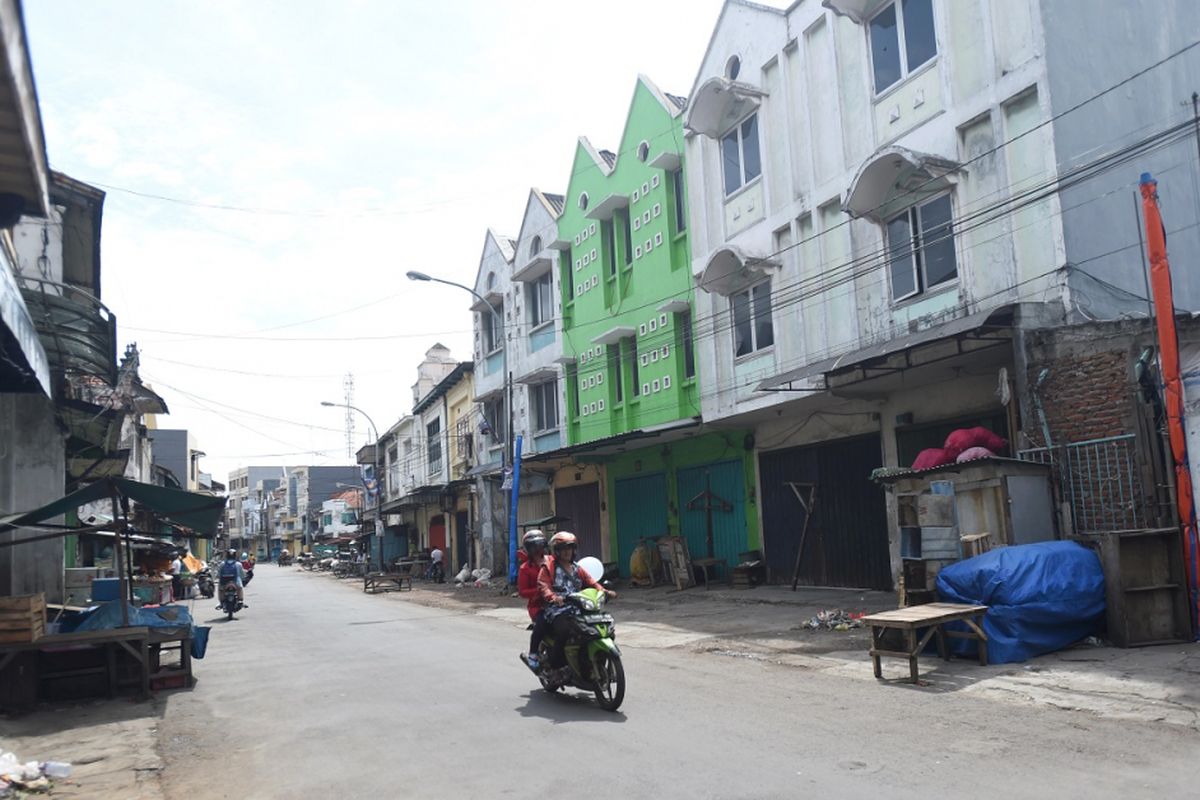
(835, 620)
(464, 575)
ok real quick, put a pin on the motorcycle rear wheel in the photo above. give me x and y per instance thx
(610, 681)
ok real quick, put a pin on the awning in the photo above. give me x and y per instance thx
(719, 104)
(199, 512)
(615, 334)
(23, 147)
(856, 10)
(537, 266)
(730, 269)
(896, 178)
(605, 209)
(979, 322)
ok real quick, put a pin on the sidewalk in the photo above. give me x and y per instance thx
(1150, 684)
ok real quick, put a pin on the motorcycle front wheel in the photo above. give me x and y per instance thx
(610, 680)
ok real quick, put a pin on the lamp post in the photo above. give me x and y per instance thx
(498, 324)
(378, 486)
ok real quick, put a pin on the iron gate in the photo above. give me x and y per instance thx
(1101, 480)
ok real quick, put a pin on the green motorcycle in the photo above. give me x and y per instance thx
(593, 658)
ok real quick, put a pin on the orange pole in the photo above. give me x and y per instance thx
(1168, 349)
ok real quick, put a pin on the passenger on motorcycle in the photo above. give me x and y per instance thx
(231, 570)
(559, 577)
(534, 544)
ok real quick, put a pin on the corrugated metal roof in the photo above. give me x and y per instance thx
(609, 157)
(557, 201)
(680, 102)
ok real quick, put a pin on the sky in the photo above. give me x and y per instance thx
(274, 168)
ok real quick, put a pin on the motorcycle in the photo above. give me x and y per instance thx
(285, 559)
(229, 599)
(204, 583)
(593, 658)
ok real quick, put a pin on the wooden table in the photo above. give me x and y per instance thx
(933, 617)
(135, 641)
(378, 581)
(706, 564)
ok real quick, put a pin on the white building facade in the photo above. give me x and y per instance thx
(876, 194)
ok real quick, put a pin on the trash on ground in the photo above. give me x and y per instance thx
(30, 776)
(835, 619)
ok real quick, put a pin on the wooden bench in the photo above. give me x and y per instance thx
(933, 617)
(400, 575)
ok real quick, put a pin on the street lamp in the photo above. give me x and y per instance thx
(378, 486)
(505, 456)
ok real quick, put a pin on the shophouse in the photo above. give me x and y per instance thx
(884, 198)
(633, 384)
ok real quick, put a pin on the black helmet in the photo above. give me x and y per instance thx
(532, 539)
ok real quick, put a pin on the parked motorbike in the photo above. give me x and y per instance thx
(593, 658)
(229, 599)
(204, 583)
(285, 558)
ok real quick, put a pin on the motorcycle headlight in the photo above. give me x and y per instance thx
(588, 605)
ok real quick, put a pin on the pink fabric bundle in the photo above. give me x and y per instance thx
(972, 453)
(964, 439)
(932, 457)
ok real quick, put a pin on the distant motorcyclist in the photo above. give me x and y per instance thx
(247, 567)
(559, 577)
(534, 552)
(232, 570)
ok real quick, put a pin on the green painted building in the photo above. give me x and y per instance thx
(632, 388)
(625, 280)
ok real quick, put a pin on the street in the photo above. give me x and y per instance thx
(318, 688)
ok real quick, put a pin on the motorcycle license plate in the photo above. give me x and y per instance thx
(598, 619)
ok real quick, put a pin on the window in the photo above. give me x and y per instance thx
(643, 151)
(433, 446)
(733, 67)
(752, 326)
(464, 443)
(349, 518)
(921, 248)
(327, 519)
(545, 405)
(535, 246)
(633, 366)
(683, 324)
(567, 279)
(608, 245)
(493, 332)
(493, 418)
(902, 39)
(678, 188)
(739, 155)
(614, 371)
(583, 202)
(541, 303)
(573, 389)
(624, 215)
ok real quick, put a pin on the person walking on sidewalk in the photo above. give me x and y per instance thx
(533, 556)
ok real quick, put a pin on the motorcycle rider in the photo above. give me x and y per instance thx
(232, 570)
(534, 546)
(247, 567)
(561, 576)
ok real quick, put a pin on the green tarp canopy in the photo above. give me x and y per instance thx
(199, 512)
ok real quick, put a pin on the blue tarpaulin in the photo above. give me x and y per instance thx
(1041, 598)
(108, 615)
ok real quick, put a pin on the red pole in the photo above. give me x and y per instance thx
(1168, 348)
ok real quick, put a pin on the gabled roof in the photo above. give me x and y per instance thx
(554, 202)
(712, 37)
(444, 385)
(680, 102)
(504, 245)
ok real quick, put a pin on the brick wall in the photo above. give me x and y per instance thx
(1085, 396)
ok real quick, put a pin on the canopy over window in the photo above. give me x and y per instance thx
(730, 270)
(896, 178)
(719, 104)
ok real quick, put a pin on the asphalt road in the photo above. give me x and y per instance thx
(319, 690)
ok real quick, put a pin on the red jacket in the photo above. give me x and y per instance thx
(527, 584)
(545, 580)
